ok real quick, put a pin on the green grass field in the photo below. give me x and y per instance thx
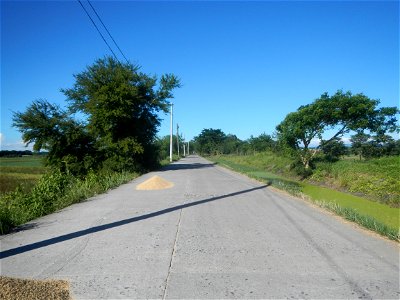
(373, 215)
(21, 172)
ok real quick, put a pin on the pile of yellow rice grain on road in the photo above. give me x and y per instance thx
(31, 289)
(155, 183)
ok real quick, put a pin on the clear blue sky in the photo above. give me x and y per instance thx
(243, 65)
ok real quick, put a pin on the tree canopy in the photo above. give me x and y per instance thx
(210, 141)
(340, 113)
(121, 106)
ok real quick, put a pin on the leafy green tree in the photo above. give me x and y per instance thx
(393, 147)
(122, 105)
(50, 128)
(342, 113)
(369, 146)
(261, 143)
(359, 143)
(333, 150)
(210, 141)
(231, 144)
(162, 144)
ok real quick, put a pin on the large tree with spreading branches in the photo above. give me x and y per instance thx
(340, 113)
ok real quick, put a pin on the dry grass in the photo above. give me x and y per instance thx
(29, 289)
(10, 181)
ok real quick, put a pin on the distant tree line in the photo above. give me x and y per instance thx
(15, 153)
(215, 142)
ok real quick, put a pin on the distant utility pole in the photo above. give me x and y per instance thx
(177, 136)
(171, 133)
(184, 147)
(188, 149)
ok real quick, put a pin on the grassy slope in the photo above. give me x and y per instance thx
(258, 166)
(376, 179)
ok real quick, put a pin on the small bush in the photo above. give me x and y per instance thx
(298, 168)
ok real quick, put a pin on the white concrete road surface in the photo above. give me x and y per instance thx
(214, 234)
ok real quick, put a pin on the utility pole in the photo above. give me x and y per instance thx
(177, 136)
(184, 146)
(171, 133)
(188, 149)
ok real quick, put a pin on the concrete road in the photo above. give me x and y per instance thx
(215, 234)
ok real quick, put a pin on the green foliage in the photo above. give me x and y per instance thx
(262, 143)
(298, 168)
(333, 149)
(210, 142)
(377, 179)
(121, 107)
(341, 112)
(163, 146)
(215, 141)
(368, 146)
(15, 153)
(359, 143)
(50, 128)
(54, 190)
(231, 144)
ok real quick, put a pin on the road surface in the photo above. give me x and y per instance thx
(214, 234)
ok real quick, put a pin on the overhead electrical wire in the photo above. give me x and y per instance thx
(98, 30)
(115, 43)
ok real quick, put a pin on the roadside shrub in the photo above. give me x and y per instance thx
(54, 191)
(298, 168)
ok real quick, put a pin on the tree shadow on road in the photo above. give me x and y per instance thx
(77, 234)
(183, 166)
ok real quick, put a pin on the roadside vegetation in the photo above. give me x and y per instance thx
(115, 138)
(373, 215)
(307, 157)
(113, 143)
(54, 191)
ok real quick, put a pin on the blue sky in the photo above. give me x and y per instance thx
(244, 65)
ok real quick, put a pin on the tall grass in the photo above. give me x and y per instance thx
(52, 192)
(364, 220)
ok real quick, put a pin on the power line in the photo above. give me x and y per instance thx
(107, 31)
(98, 30)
